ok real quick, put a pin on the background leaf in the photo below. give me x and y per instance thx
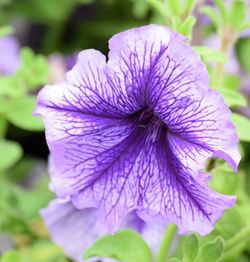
(10, 153)
(126, 246)
(20, 114)
(212, 251)
(190, 248)
(242, 125)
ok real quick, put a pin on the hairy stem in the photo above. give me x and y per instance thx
(243, 235)
(166, 243)
(228, 38)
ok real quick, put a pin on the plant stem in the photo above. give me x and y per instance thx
(219, 69)
(166, 243)
(239, 237)
(3, 126)
(228, 37)
(233, 252)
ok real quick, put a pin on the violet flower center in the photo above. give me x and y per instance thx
(146, 120)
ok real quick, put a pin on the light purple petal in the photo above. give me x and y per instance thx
(72, 229)
(151, 232)
(9, 53)
(133, 133)
(80, 143)
(175, 194)
(76, 230)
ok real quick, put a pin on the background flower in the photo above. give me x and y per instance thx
(9, 53)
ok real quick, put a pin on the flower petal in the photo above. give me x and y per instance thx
(81, 145)
(70, 228)
(197, 118)
(115, 187)
(199, 127)
(132, 56)
(172, 194)
(95, 89)
(151, 232)
(76, 230)
(164, 73)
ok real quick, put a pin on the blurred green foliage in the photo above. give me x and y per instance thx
(64, 27)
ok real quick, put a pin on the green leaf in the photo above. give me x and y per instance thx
(233, 98)
(223, 11)
(33, 70)
(224, 179)
(187, 26)
(188, 6)
(125, 246)
(159, 8)
(212, 14)
(237, 15)
(174, 7)
(174, 259)
(140, 8)
(20, 114)
(6, 30)
(45, 251)
(232, 82)
(210, 54)
(231, 222)
(212, 251)
(12, 256)
(244, 25)
(10, 153)
(190, 248)
(45, 11)
(85, 2)
(243, 51)
(242, 125)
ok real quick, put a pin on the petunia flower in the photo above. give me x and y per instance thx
(75, 230)
(9, 53)
(133, 133)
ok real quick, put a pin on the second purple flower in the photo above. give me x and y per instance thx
(133, 133)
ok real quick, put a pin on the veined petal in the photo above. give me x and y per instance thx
(115, 187)
(165, 74)
(96, 89)
(199, 127)
(81, 145)
(172, 194)
(197, 117)
(133, 55)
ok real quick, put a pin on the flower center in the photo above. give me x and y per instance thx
(145, 117)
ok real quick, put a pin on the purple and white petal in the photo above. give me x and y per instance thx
(72, 229)
(76, 230)
(175, 194)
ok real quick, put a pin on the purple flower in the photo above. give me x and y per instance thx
(9, 53)
(131, 134)
(75, 230)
